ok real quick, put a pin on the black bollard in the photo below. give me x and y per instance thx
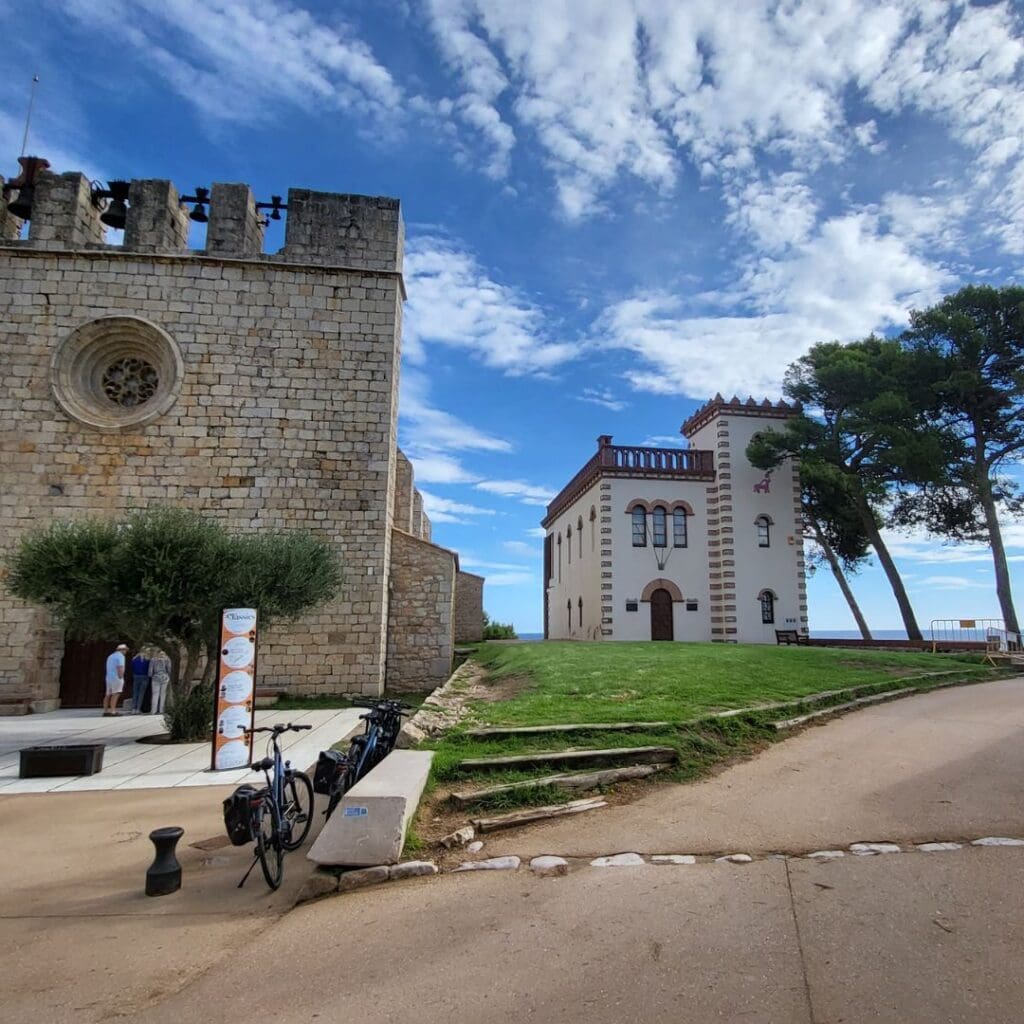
(164, 874)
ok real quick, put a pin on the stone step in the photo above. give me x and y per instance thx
(498, 731)
(582, 782)
(571, 758)
(878, 698)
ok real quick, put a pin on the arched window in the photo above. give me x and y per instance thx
(764, 531)
(660, 530)
(559, 558)
(593, 526)
(639, 527)
(580, 603)
(767, 599)
(568, 608)
(568, 543)
(679, 528)
(579, 534)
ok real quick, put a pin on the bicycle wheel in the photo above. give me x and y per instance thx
(297, 813)
(357, 761)
(268, 843)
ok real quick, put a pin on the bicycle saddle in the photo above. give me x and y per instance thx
(263, 766)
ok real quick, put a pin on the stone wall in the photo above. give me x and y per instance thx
(278, 401)
(403, 493)
(420, 645)
(469, 608)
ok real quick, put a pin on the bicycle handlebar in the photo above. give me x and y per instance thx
(278, 729)
(382, 704)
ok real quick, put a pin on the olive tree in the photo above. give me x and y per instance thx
(162, 577)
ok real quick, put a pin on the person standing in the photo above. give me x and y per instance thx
(160, 678)
(114, 680)
(140, 679)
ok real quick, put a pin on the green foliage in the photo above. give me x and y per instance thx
(162, 577)
(498, 630)
(190, 716)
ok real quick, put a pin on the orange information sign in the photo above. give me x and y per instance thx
(236, 690)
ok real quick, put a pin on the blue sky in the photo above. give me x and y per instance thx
(614, 209)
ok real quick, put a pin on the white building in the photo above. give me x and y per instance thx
(679, 544)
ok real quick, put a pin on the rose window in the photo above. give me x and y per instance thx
(129, 382)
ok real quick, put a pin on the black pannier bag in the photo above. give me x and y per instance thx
(238, 815)
(329, 766)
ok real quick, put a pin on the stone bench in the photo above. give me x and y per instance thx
(369, 824)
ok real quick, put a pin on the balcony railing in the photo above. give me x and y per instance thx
(635, 460)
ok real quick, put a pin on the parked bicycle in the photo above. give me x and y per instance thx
(338, 772)
(279, 816)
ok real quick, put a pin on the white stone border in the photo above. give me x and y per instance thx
(326, 883)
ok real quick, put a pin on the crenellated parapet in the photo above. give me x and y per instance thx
(735, 406)
(68, 211)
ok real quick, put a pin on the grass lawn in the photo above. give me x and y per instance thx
(562, 683)
(637, 682)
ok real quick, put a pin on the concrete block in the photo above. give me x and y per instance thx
(368, 827)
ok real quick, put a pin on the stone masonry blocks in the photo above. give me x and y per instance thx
(422, 608)
(254, 437)
(469, 608)
(156, 222)
(63, 215)
(235, 227)
(344, 230)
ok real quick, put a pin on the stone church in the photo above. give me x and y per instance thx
(255, 387)
(679, 543)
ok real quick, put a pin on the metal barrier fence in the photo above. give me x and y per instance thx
(991, 632)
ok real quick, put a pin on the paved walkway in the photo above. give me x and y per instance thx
(128, 764)
(907, 938)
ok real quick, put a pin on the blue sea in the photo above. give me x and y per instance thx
(822, 634)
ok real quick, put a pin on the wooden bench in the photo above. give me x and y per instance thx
(791, 636)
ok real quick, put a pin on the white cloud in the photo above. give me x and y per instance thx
(435, 468)
(528, 494)
(602, 397)
(512, 579)
(537, 531)
(949, 583)
(235, 60)
(850, 278)
(453, 301)
(520, 547)
(444, 510)
(432, 430)
(664, 441)
(637, 87)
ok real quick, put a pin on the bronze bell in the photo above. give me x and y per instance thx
(21, 207)
(116, 214)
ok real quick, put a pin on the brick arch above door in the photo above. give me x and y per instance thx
(661, 584)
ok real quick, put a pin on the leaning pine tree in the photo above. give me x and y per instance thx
(975, 339)
(864, 432)
(162, 577)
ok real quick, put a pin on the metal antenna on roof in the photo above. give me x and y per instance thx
(28, 116)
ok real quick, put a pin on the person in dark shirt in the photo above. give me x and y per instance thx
(140, 680)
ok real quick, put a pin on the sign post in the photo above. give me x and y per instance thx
(235, 695)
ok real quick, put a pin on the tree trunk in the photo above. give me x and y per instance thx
(891, 572)
(995, 539)
(211, 662)
(840, 577)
